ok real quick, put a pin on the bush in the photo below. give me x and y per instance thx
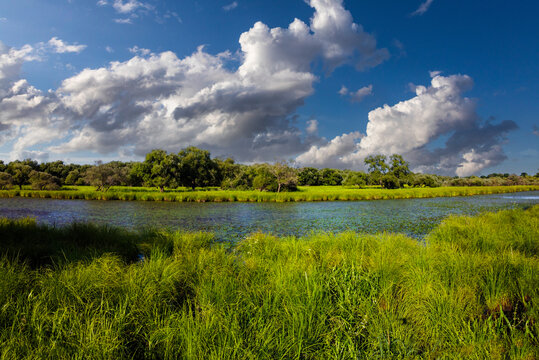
(390, 182)
(43, 181)
(426, 180)
(6, 181)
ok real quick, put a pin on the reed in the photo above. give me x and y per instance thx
(469, 291)
(313, 193)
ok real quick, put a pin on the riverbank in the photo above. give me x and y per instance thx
(306, 193)
(469, 291)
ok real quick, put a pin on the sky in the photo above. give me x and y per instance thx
(453, 86)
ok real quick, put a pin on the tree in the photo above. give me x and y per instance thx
(228, 171)
(399, 167)
(264, 179)
(355, 178)
(309, 176)
(390, 181)
(56, 168)
(330, 177)
(75, 177)
(43, 181)
(6, 181)
(426, 180)
(20, 173)
(377, 167)
(285, 175)
(159, 169)
(197, 169)
(104, 176)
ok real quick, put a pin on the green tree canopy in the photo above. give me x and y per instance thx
(197, 168)
(104, 176)
(309, 176)
(159, 169)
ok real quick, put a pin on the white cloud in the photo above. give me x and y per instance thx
(139, 51)
(360, 94)
(3, 19)
(230, 6)
(109, 49)
(312, 127)
(160, 100)
(124, 21)
(332, 153)
(423, 8)
(60, 47)
(129, 6)
(410, 126)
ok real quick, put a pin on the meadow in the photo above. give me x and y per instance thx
(470, 290)
(305, 193)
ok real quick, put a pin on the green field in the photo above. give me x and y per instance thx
(305, 193)
(470, 291)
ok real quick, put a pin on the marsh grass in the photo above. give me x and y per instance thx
(305, 193)
(469, 291)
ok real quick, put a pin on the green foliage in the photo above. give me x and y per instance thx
(20, 172)
(390, 181)
(6, 181)
(309, 176)
(265, 180)
(469, 292)
(355, 178)
(159, 169)
(104, 176)
(376, 164)
(44, 181)
(76, 177)
(426, 180)
(197, 169)
(330, 177)
(285, 176)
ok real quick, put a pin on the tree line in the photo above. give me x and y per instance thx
(195, 168)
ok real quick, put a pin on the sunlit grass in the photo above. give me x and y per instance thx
(305, 193)
(469, 291)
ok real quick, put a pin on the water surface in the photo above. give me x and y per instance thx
(231, 221)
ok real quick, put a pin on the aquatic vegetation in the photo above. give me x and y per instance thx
(469, 291)
(305, 193)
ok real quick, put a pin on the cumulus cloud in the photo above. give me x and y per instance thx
(423, 8)
(230, 6)
(132, 9)
(139, 51)
(358, 95)
(61, 47)
(411, 126)
(27, 116)
(160, 100)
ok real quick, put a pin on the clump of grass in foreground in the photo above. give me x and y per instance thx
(469, 292)
(44, 245)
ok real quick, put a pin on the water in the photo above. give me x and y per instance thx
(231, 221)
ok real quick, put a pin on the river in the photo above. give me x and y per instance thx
(231, 221)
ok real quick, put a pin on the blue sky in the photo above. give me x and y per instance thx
(451, 85)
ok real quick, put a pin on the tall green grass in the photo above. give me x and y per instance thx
(306, 193)
(470, 291)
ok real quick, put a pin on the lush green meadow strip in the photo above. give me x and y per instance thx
(469, 291)
(315, 193)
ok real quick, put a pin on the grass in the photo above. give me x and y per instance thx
(306, 193)
(470, 291)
